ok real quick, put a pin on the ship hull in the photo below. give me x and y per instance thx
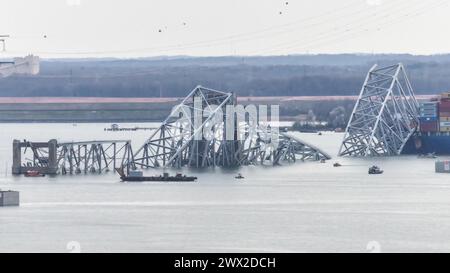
(426, 144)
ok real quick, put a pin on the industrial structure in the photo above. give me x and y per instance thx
(28, 65)
(179, 142)
(385, 115)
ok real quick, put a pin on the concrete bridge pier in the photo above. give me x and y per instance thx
(45, 165)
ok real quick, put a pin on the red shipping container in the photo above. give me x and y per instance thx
(429, 126)
(444, 106)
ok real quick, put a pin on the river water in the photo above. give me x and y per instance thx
(304, 207)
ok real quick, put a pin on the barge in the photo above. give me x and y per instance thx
(137, 176)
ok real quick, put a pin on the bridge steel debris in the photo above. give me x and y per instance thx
(385, 115)
(178, 142)
(70, 157)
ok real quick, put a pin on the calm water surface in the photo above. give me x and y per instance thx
(305, 207)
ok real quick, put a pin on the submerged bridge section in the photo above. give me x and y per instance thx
(70, 157)
(93, 156)
(385, 115)
(180, 141)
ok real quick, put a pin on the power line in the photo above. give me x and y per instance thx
(364, 22)
(248, 36)
(336, 35)
(347, 27)
(395, 21)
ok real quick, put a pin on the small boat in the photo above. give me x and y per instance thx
(137, 176)
(337, 164)
(239, 176)
(323, 161)
(375, 170)
(31, 173)
(429, 155)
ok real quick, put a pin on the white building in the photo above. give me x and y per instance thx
(28, 65)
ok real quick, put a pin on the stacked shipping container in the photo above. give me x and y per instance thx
(434, 126)
(444, 112)
(429, 117)
(435, 115)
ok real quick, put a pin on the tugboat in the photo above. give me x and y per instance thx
(31, 173)
(137, 176)
(375, 170)
(239, 176)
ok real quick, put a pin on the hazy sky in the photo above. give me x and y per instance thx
(134, 28)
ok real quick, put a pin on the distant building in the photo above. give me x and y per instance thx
(28, 65)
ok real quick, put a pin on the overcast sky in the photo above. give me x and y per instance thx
(138, 28)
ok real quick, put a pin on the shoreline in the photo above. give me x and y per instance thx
(150, 100)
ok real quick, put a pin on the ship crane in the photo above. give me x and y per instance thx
(3, 41)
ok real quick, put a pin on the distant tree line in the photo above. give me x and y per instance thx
(255, 77)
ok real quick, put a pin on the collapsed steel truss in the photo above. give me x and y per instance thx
(70, 157)
(290, 149)
(385, 115)
(180, 140)
(93, 156)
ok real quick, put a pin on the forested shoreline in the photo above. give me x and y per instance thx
(319, 75)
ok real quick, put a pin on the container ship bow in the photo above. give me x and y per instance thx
(433, 135)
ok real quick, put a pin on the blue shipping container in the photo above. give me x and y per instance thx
(428, 116)
(428, 119)
(428, 113)
(428, 107)
(428, 110)
(429, 103)
(422, 114)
